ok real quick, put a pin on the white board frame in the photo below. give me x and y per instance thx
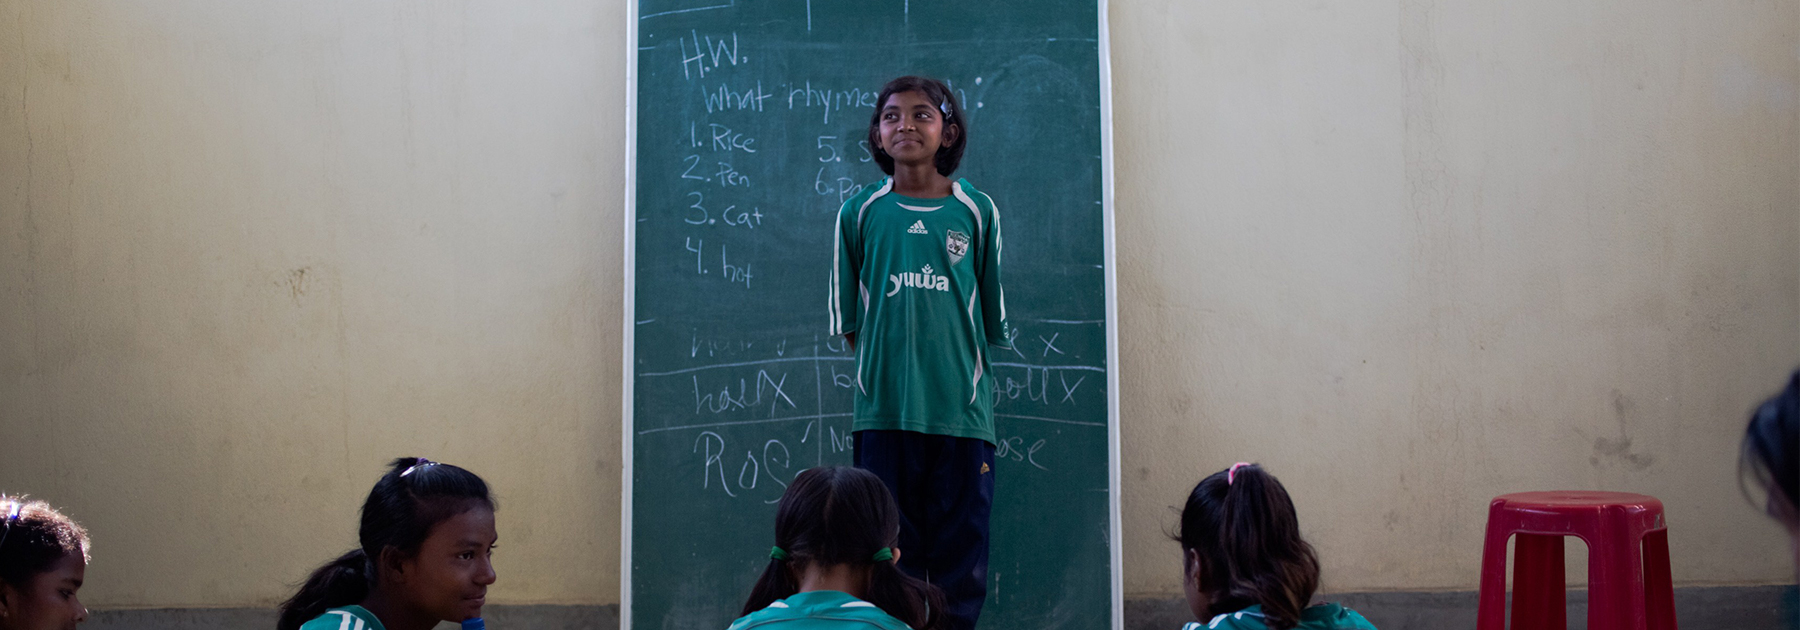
(1116, 546)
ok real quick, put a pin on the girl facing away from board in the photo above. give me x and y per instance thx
(833, 563)
(427, 540)
(43, 560)
(1244, 565)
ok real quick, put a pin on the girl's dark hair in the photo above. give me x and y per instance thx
(835, 515)
(950, 155)
(38, 538)
(415, 495)
(1769, 444)
(1247, 535)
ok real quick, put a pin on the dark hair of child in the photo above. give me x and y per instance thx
(36, 539)
(950, 155)
(836, 515)
(1769, 444)
(1247, 535)
(413, 496)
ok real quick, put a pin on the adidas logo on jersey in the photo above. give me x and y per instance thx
(924, 279)
(918, 227)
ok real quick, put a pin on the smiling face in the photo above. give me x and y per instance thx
(912, 128)
(448, 577)
(48, 601)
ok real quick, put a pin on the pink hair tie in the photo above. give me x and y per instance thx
(1231, 475)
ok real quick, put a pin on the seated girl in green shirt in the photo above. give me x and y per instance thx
(832, 567)
(425, 555)
(1244, 565)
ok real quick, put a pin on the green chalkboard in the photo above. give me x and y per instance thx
(746, 124)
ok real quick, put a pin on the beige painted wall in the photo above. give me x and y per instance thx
(1408, 254)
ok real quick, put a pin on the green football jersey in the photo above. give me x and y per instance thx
(345, 618)
(1317, 617)
(918, 281)
(819, 610)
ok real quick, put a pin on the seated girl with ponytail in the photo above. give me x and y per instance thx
(1244, 565)
(832, 567)
(43, 559)
(427, 540)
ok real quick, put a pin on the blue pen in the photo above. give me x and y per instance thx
(474, 624)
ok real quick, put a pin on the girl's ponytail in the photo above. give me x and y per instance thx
(905, 597)
(1243, 526)
(341, 582)
(1267, 560)
(775, 583)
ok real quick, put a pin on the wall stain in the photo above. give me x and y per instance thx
(1619, 450)
(296, 283)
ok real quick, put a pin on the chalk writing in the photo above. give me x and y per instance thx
(734, 273)
(724, 400)
(805, 96)
(707, 56)
(843, 187)
(721, 138)
(725, 99)
(1013, 448)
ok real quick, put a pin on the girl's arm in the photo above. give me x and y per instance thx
(993, 296)
(846, 272)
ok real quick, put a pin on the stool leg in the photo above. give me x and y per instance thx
(1491, 614)
(1616, 584)
(1539, 598)
(1659, 584)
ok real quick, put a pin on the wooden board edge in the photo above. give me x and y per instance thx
(1112, 327)
(629, 310)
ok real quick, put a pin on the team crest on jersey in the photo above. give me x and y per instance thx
(957, 244)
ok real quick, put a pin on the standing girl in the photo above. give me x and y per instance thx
(1244, 565)
(43, 559)
(832, 566)
(427, 540)
(915, 290)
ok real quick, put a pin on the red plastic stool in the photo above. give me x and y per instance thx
(1627, 589)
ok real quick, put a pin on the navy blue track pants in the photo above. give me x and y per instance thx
(945, 488)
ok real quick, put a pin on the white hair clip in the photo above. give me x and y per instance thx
(10, 509)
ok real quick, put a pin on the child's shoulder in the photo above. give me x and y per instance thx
(974, 193)
(1317, 617)
(351, 617)
(864, 194)
(819, 610)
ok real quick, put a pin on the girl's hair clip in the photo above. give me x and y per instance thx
(421, 465)
(9, 513)
(944, 107)
(1231, 475)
